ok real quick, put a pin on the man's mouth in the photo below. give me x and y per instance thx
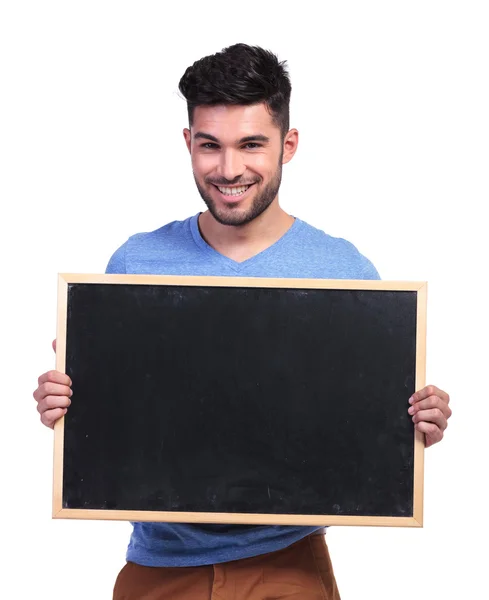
(233, 191)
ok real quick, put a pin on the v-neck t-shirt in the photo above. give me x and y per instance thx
(178, 248)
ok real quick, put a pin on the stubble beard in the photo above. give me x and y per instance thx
(236, 216)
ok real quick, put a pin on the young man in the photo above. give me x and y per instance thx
(238, 139)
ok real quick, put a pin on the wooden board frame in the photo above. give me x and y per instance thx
(64, 279)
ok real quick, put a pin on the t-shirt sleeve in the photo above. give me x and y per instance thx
(369, 271)
(117, 262)
(354, 263)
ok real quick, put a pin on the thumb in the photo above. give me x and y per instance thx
(54, 345)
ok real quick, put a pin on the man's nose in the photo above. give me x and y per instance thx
(232, 165)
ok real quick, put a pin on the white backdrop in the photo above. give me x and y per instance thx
(391, 101)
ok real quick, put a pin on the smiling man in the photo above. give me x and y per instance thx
(237, 178)
(237, 156)
(238, 139)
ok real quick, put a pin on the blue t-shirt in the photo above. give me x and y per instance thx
(179, 249)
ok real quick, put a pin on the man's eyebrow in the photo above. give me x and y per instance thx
(254, 138)
(205, 136)
(249, 138)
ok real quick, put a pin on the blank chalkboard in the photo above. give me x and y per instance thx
(231, 400)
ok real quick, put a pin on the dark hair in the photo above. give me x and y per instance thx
(239, 74)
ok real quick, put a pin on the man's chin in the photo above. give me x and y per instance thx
(232, 217)
(237, 214)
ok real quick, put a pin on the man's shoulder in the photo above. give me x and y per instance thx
(173, 237)
(322, 241)
(336, 254)
(321, 237)
(167, 232)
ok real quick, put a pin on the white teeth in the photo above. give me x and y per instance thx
(236, 191)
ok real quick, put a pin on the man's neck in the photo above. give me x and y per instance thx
(239, 243)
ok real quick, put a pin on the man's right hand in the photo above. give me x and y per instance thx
(53, 395)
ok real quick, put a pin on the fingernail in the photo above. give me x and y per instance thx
(411, 400)
(411, 410)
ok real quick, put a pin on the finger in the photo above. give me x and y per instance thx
(429, 390)
(54, 377)
(433, 433)
(50, 417)
(431, 402)
(51, 402)
(51, 389)
(54, 345)
(433, 415)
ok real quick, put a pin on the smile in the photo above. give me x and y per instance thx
(233, 191)
(234, 195)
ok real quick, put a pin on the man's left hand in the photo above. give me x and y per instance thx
(430, 412)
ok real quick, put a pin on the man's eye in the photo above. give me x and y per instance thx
(252, 145)
(209, 145)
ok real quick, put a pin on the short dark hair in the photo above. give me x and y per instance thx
(239, 74)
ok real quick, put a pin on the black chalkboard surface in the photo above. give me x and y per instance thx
(229, 400)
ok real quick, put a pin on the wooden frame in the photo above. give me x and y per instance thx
(415, 521)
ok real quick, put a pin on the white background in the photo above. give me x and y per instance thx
(391, 101)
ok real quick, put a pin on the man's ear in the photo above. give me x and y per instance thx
(188, 138)
(291, 141)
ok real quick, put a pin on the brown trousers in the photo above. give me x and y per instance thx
(302, 571)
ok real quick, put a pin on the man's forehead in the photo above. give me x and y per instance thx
(231, 119)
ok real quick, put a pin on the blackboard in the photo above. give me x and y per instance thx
(231, 400)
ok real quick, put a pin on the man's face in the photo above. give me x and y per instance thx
(237, 156)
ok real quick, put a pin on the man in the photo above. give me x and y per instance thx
(238, 139)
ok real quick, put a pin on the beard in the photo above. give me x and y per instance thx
(235, 216)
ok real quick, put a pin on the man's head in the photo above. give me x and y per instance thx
(239, 138)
